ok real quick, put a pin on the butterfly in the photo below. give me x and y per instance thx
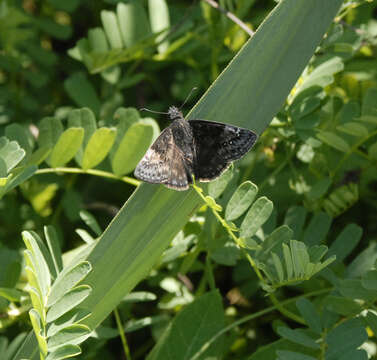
(200, 148)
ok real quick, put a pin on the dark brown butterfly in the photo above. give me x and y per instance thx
(201, 148)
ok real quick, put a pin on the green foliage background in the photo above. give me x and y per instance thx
(274, 260)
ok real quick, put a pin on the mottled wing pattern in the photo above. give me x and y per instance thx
(163, 163)
(217, 145)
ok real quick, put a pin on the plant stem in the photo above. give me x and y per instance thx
(101, 173)
(284, 311)
(122, 334)
(231, 16)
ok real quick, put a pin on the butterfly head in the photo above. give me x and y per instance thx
(174, 113)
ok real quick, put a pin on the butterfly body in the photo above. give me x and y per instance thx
(201, 148)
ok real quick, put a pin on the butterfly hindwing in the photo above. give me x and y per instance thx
(217, 145)
(163, 163)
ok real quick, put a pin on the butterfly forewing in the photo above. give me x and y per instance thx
(217, 145)
(163, 163)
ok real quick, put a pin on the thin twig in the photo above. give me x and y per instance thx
(231, 16)
(122, 334)
(94, 172)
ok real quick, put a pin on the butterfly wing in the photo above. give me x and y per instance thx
(163, 163)
(217, 145)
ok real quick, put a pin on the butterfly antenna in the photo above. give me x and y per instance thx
(188, 97)
(152, 111)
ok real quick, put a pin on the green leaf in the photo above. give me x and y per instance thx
(71, 317)
(11, 294)
(82, 92)
(334, 141)
(290, 355)
(66, 147)
(139, 296)
(372, 151)
(16, 343)
(132, 148)
(64, 352)
(40, 155)
(85, 119)
(240, 201)
(274, 241)
(319, 188)
(363, 262)
(310, 314)
(305, 107)
(34, 245)
(149, 321)
(353, 289)
(21, 135)
(111, 26)
(227, 255)
(358, 354)
(192, 323)
(346, 241)
(68, 301)
(18, 179)
(97, 40)
(295, 219)
(341, 199)
(54, 248)
(133, 22)
(369, 102)
(66, 280)
(297, 336)
(98, 147)
(90, 221)
(342, 306)
(11, 153)
(317, 229)
(354, 129)
(72, 334)
(38, 303)
(249, 243)
(278, 267)
(322, 75)
(300, 258)
(368, 119)
(50, 129)
(348, 336)
(218, 186)
(256, 217)
(37, 327)
(288, 261)
(159, 20)
(369, 280)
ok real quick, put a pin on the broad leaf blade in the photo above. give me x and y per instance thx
(256, 217)
(98, 147)
(190, 330)
(67, 302)
(240, 200)
(66, 147)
